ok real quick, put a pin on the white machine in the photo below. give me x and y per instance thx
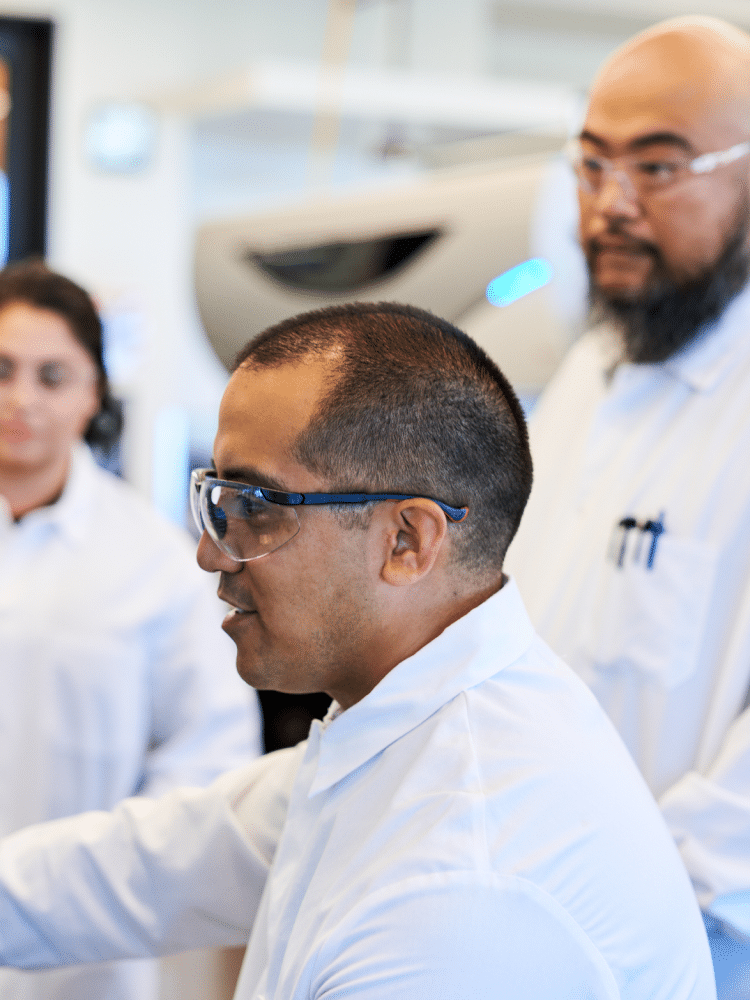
(435, 241)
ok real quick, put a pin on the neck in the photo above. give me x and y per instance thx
(26, 490)
(409, 631)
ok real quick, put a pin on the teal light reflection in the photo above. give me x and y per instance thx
(519, 281)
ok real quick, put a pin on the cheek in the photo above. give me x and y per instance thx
(83, 412)
(686, 234)
(303, 602)
(68, 423)
(692, 234)
(584, 217)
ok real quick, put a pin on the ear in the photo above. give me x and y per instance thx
(416, 534)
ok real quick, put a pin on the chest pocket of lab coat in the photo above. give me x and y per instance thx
(651, 621)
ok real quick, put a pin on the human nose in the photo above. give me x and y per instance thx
(19, 392)
(617, 195)
(212, 559)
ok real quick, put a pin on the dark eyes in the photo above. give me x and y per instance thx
(650, 168)
(659, 169)
(591, 164)
(251, 506)
(54, 375)
(50, 374)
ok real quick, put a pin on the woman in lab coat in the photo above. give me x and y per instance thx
(116, 677)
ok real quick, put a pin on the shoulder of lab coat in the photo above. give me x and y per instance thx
(151, 877)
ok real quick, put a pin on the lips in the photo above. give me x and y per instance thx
(621, 243)
(15, 430)
(624, 248)
(234, 604)
(236, 618)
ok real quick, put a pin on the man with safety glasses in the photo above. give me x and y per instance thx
(634, 553)
(464, 822)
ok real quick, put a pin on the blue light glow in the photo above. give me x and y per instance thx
(519, 281)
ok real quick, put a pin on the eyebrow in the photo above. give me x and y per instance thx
(250, 476)
(644, 141)
(44, 360)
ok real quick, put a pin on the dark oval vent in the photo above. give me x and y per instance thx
(341, 267)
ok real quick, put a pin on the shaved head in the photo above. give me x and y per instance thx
(664, 263)
(699, 66)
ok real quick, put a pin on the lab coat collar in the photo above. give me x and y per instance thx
(468, 652)
(70, 515)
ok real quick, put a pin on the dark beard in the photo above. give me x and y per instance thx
(670, 316)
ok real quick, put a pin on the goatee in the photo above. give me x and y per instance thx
(670, 315)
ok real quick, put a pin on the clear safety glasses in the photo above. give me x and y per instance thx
(247, 522)
(642, 174)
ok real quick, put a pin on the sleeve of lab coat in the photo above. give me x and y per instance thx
(454, 935)
(709, 816)
(151, 877)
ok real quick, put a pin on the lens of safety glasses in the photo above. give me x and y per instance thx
(240, 520)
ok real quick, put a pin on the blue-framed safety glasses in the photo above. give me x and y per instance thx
(247, 522)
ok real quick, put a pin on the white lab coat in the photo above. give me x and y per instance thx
(473, 827)
(665, 649)
(116, 677)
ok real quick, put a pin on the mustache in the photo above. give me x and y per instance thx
(595, 246)
(226, 593)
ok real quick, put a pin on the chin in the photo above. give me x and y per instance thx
(21, 457)
(622, 298)
(253, 674)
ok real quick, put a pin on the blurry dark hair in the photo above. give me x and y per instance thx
(414, 406)
(32, 282)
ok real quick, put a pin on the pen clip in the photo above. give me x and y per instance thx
(656, 528)
(626, 524)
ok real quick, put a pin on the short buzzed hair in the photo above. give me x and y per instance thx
(416, 407)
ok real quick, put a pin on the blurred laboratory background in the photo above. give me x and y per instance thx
(208, 167)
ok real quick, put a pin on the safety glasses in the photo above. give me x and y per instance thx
(247, 522)
(645, 173)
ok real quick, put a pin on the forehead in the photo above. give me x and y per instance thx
(261, 415)
(667, 86)
(31, 334)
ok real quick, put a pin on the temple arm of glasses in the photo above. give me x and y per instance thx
(295, 499)
(709, 161)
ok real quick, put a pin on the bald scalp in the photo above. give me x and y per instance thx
(697, 61)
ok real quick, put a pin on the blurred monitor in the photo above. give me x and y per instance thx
(25, 60)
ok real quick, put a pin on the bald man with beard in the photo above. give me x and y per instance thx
(633, 555)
